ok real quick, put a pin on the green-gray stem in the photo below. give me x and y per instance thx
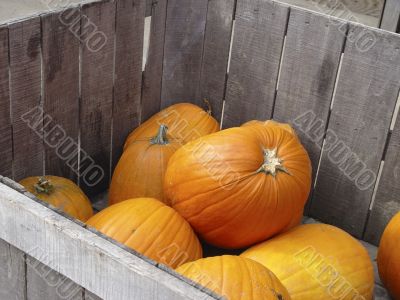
(43, 186)
(161, 137)
(272, 163)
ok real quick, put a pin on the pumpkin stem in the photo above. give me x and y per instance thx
(208, 105)
(161, 137)
(43, 186)
(272, 163)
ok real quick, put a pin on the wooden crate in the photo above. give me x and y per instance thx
(79, 69)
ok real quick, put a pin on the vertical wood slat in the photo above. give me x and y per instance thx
(128, 71)
(12, 272)
(149, 7)
(184, 39)
(97, 35)
(366, 94)
(387, 202)
(310, 63)
(152, 76)
(25, 70)
(5, 120)
(391, 15)
(257, 46)
(61, 90)
(91, 296)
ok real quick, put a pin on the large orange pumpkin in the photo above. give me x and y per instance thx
(141, 168)
(186, 122)
(240, 186)
(267, 123)
(61, 193)
(389, 257)
(151, 228)
(235, 278)
(318, 261)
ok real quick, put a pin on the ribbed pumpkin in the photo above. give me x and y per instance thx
(240, 186)
(151, 228)
(235, 278)
(186, 122)
(285, 126)
(318, 261)
(61, 193)
(141, 168)
(389, 257)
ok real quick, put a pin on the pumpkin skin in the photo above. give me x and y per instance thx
(141, 169)
(317, 261)
(285, 126)
(151, 228)
(235, 278)
(62, 193)
(389, 257)
(221, 184)
(186, 122)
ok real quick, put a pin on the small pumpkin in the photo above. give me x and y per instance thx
(186, 122)
(62, 193)
(389, 257)
(151, 228)
(240, 186)
(235, 278)
(141, 168)
(318, 261)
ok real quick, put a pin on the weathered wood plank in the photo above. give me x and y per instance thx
(45, 283)
(257, 46)
(5, 121)
(12, 272)
(183, 51)
(97, 35)
(25, 70)
(60, 90)
(85, 257)
(216, 53)
(149, 7)
(387, 202)
(128, 71)
(310, 63)
(91, 296)
(152, 76)
(391, 16)
(362, 110)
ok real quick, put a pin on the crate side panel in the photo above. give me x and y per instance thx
(91, 296)
(183, 51)
(26, 106)
(97, 35)
(362, 110)
(60, 91)
(5, 120)
(257, 47)
(216, 53)
(128, 71)
(152, 76)
(391, 15)
(12, 272)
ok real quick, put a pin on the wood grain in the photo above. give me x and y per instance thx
(362, 110)
(25, 70)
(257, 46)
(5, 121)
(97, 89)
(391, 16)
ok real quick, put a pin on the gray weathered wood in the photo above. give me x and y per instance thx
(91, 296)
(391, 16)
(152, 76)
(5, 121)
(183, 51)
(60, 90)
(45, 283)
(128, 71)
(98, 22)
(149, 7)
(365, 99)
(25, 70)
(257, 46)
(216, 53)
(387, 201)
(12, 272)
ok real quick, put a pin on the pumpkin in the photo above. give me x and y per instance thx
(240, 186)
(141, 168)
(285, 126)
(318, 261)
(389, 257)
(151, 228)
(186, 122)
(235, 278)
(62, 193)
